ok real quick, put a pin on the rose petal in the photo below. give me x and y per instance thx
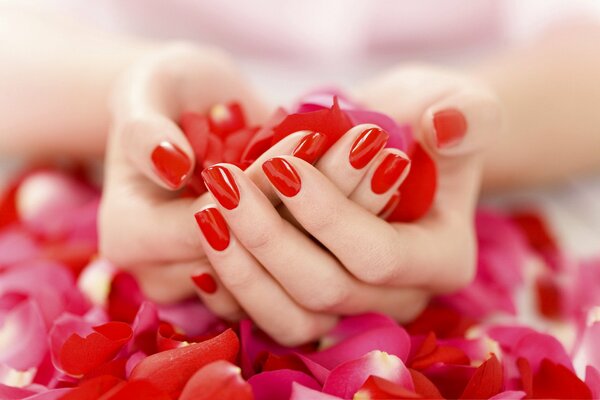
(423, 386)
(347, 378)
(93, 388)
(558, 382)
(357, 336)
(135, 390)
(379, 388)
(171, 369)
(277, 385)
(79, 355)
(486, 382)
(225, 119)
(300, 392)
(509, 395)
(418, 189)
(23, 342)
(217, 380)
(592, 380)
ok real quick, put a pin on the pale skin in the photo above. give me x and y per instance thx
(271, 270)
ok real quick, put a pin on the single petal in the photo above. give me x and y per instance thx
(347, 378)
(418, 189)
(379, 388)
(217, 380)
(93, 388)
(23, 342)
(301, 392)
(171, 369)
(555, 381)
(486, 382)
(509, 395)
(135, 390)
(592, 380)
(80, 355)
(277, 385)
(225, 119)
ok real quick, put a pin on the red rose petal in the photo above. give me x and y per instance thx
(224, 119)
(136, 390)
(486, 382)
(171, 369)
(555, 381)
(93, 388)
(195, 128)
(218, 380)
(431, 353)
(423, 386)
(418, 189)
(331, 122)
(79, 356)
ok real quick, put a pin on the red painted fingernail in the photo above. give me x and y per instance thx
(311, 147)
(213, 227)
(221, 184)
(450, 127)
(366, 146)
(205, 282)
(388, 173)
(390, 206)
(172, 164)
(283, 176)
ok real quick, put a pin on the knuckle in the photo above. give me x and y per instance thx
(263, 235)
(239, 279)
(321, 219)
(303, 331)
(328, 300)
(381, 268)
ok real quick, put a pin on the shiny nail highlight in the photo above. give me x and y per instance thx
(219, 181)
(311, 147)
(390, 206)
(213, 227)
(388, 173)
(171, 164)
(450, 127)
(366, 147)
(283, 176)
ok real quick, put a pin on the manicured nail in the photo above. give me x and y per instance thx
(283, 176)
(221, 184)
(390, 206)
(450, 127)
(213, 227)
(311, 147)
(205, 282)
(172, 164)
(366, 146)
(388, 173)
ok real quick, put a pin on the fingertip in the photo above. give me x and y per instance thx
(172, 165)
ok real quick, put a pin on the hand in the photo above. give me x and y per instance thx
(293, 286)
(144, 226)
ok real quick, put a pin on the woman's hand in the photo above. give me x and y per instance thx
(293, 286)
(144, 225)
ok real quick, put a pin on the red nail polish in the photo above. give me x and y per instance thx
(213, 227)
(221, 184)
(390, 206)
(205, 282)
(366, 146)
(311, 147)
(450, 127)
(388, 173)
(283, 176)
(172, 164)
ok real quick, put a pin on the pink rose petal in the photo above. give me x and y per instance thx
(300, 392)
(277, 385)
(347, 378)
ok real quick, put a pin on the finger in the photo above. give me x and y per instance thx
(299, 264)
(347, 161)
(456, 129)
(382, 180)
(158, 149)
(214, 294)
(257, 292)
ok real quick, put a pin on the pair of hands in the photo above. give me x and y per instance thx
(255, 254)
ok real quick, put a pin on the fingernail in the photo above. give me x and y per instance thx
(366, 146)
(450, 127)
(205, 282)
(388, 173)
(283, 176)
(390, 206)
(213, 227)
(221, 184)
(311, 147)
(171, 164)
